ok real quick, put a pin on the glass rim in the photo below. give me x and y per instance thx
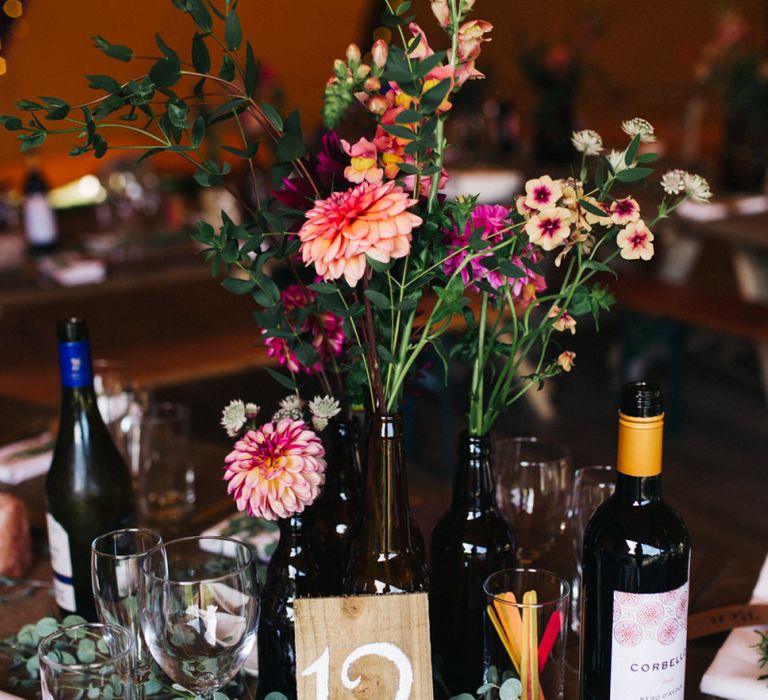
(125, 530)
(537, 440)
(115, 629)
(197, 582)
(564, 585)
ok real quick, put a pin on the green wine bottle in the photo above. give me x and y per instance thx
(88, 488)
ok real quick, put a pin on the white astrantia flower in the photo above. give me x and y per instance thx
(639, 127)
(587, 141)
(233, 417)
(697, 188)
(292, 413)
(324, 407)
(251, 410)
(616, 159)
(290, 402)
(673, 182)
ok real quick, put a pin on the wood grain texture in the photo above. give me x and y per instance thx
(343, 625)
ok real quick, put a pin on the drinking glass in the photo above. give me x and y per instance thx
(591, 486)
(88, 660)
(532, 490)
(200, 610)
(526, 622)
(166, 491)
(116, 575)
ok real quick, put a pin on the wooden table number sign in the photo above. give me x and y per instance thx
(374, 647)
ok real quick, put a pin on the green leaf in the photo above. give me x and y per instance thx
(56, 108)
(398, 130)
(30, 141)
(509, 269)
(511, 689)
(28, 106)
(149, 153)
(104, 82)
(93, 692)
(322, 287)
(290, 147)
(201, 57)
(177, 114)
(200, 15)
(198, 131)
(385, 354)
(274, 695)
(251, 76)
(117, 51)
(435, 95)
(634, 174)
(403, 7)
(408, 116)
(379, 300)
(250, 152)
(427, 64)
(598, 266)
(284, 381)
(11, 123)
(99, 146)
(233, 34)
(272, 114)
(631, 152)
(165, 72)
(238, 286)
(86, 651)
(647, 157)
(227, 71)
(591, 208)
(167, 50)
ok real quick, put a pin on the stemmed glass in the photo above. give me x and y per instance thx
(200, 610)
(115, 576)
(532, 491)
(591, 486)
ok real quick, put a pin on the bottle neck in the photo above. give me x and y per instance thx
(386, 526)
(76, 375)
(638, 460)
(342, 455)
(472, 486)
(293, 534)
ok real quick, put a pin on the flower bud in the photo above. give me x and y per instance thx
(353, 53)
(361, 72)
(441, 10)
(340, 69)
(372, 84)
(377, 104)
(379, 53)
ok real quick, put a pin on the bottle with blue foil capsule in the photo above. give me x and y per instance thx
(88, 488)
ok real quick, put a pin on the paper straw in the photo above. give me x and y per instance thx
(549, 638)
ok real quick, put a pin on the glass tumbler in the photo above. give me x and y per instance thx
(532, 491)
(89, 660)
(526, 621)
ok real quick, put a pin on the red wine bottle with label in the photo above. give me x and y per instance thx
(88, 488)
(636, 567)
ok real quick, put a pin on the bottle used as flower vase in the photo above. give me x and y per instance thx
(388, 553)
(292, 573)
(338, 504)
(471, 541)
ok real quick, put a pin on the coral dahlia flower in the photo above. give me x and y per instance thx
(369, 219)
(277, 470)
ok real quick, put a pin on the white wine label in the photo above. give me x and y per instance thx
(61, 562)
(648, 648)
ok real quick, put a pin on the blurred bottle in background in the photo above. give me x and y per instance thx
(40, 226)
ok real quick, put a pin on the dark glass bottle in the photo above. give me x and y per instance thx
(386, 556)
(338, 503)
(88, 488)
(292, 573)
(471, 541)
(39, 220)
(635, 570)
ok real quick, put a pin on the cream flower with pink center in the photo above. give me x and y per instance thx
(369, 219)
(362, 166)
(277, 470)
(563, 320)
(542, 192)
(634, 240)
(566, 360)
(625, 211)
(549, 227)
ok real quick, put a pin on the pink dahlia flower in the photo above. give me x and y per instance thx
(491, 220)
(368, 219)
(277, 470)
(325, 331)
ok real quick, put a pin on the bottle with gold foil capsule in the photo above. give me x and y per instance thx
(636, 567)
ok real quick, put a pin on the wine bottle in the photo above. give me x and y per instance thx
(471, 541)
(39, 220)
(292, 573)
(88, 488)
(635, 571)
(387, 555)
(337, 505)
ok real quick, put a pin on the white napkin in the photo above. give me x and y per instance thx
(734, 671)
(8, 696)
(25, 459)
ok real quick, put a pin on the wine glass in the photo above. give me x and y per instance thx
(88, 660)
(532, 490)
(115, 576)
(200, 610)
(591, 486)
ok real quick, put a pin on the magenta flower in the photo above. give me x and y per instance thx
(324, 330)
(491, 220)
(277, 470)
